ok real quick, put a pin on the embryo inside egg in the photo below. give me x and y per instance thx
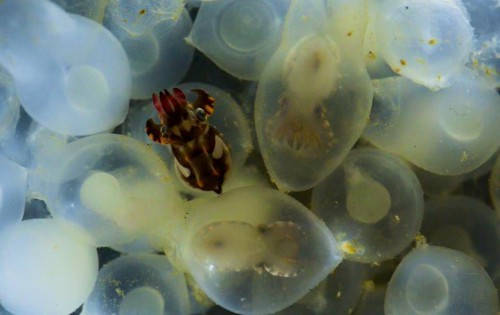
(340, 119)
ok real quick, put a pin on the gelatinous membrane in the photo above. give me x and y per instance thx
(9, 104)
(312, 101)
(430, 280)
(414, 38)
(243, 36)
(310, 76)
(102, 184)
(229, 246)
(93, 9)
(282, 245)
(152, 34)
(89, 93)
(138, 284)
(372, 203)
(13, 192)
(240, 249)
(449, 132)
(43, 269)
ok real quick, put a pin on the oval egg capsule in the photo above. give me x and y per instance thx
(243, 37)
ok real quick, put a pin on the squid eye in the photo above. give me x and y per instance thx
(200, 114)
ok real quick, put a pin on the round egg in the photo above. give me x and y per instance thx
(43, 269)
(372, 203)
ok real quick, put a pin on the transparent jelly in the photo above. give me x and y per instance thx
(43, 270)
(254, 255)
(372, 203)
(112, 189)
(449, 132)
(152, 33)
(414, 38)
(13, 190)
(9, 105)
(244, 35)
(436, 280)
(59, 83)
(339, 293)
(312, 101)
(138, 284)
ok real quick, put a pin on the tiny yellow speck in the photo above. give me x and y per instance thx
(432, 41)
(402, 62)
(348, 248)
(339, 294)
(371, 55)
(349, 34)
(142, 12)
(369, 285)
(120, 292)
(464, 157)
(397, 218)
(420, 240)
(439, 77)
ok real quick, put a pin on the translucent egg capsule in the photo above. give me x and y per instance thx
(372, 203)
(449, 132)
(153, 37)
(214, 249)
(426, 41)
(138, 284)
(250, 250)
(13, 184)
(239, 36)
(304, 126)
(437, 280)
(464, 224)
(337, 294)
(112, 189)
(12, 145)
(93, 9)
(89, 92)
(43, 270)
(9, 105)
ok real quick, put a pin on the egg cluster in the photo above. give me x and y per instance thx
(363, 170)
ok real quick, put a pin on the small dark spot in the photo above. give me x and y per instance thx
(349, 34)
(318, 110)
(218, 244)
(407, 7)
(402, 62)
(142, 12)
